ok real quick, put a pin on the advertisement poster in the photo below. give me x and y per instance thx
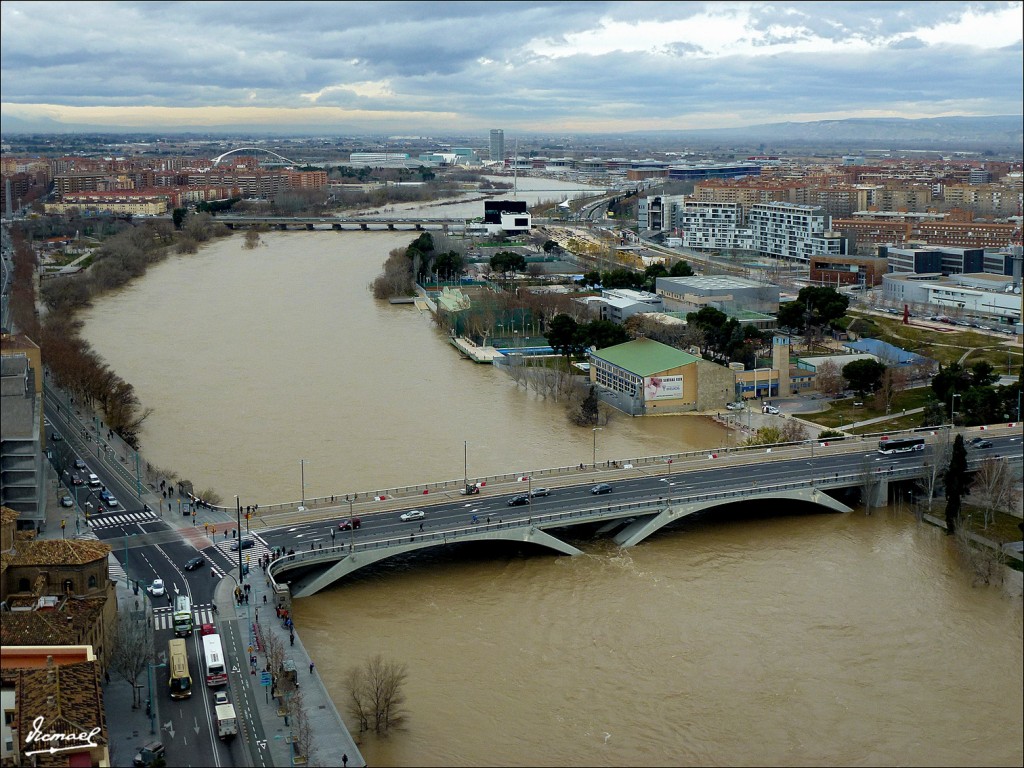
(662, 387)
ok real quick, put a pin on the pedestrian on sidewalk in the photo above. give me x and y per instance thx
(344, 761)
(311, 667)
(291, 638)
(264, 599)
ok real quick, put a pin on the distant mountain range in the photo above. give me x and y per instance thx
(994, 132)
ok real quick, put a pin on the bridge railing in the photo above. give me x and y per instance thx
(683, 460)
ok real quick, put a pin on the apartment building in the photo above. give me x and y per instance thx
(707, 225)
(792, 231)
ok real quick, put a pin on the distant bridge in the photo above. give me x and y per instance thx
(216, 160)
(338, 224)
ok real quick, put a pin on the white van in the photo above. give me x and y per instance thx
(94, 482)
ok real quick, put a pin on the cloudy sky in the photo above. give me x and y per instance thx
(464, 67)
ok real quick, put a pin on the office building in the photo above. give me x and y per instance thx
(792, 231)
(497, 145)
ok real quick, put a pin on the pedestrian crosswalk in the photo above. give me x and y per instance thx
(250, 556)
(125, 518)
(115, 570)
(163, 618)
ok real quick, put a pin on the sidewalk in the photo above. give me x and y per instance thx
(331, 738)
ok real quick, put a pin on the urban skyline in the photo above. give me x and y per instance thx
(552, 67)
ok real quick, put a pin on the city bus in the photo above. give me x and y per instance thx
(182, 616)
(213, 660)
(177, 663)
(901, 445)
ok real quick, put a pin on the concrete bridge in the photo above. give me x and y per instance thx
(644, 503)
(357, 224)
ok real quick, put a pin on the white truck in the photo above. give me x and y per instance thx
(227, 724)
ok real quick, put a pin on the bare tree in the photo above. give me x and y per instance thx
(132, 652)
(984, 562)
(302, 730)
(375, 693)
(829, 379)
(893, 381)
(994, 489)
(252, 239)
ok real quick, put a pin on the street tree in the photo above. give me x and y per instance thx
(604, 333)
(132, 651)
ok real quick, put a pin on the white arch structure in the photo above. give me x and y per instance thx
(217, 159)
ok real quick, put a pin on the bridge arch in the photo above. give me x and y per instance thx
(341, 560)
(216, 160)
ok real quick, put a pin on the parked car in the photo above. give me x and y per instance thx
(737, 406)
(540, 492)
(770, 409)
(349, 525)
(67, 501)
(413, 514)
(195, 562)
(517, 501)
(243, 543)
(601, 488)
(157, 589)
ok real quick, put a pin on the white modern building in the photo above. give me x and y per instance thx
(979, 295)
(793, 231)
(711, 225)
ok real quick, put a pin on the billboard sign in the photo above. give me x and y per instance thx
(662, 388)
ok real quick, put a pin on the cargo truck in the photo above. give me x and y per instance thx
(227, 724)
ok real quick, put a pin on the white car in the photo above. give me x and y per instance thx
(413, 514)
(156, 589)
(771, 409)
(220, 697)
(735, 406)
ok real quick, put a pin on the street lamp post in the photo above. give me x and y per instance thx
(149, 704)
(465, 464)
(952, 400)
(596, 430)
(238, 516)
(302, 470)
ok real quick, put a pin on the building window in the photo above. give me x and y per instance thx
(92, 582)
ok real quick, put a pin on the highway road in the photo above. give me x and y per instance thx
(449, 512)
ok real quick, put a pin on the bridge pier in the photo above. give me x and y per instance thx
(336, 227)
(309, 227)
(363, 226)
(282, 227)
(391, 227)
(419, 227)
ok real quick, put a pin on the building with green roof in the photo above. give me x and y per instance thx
(643, 377)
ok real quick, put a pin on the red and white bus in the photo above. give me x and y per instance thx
(213, 661)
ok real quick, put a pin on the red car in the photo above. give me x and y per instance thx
(348, 525)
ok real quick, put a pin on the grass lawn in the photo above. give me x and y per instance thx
(945, 347)
(845, 412)
(889, 425)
